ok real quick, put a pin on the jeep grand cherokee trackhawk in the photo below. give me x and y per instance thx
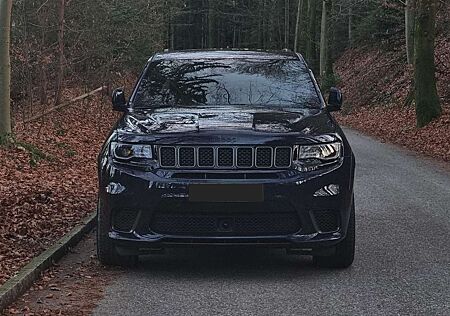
(226, 148)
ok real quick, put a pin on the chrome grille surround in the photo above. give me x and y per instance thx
(262, 157)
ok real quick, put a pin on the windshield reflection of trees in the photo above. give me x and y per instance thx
(171, 83)
(290, 84)
(219, 82)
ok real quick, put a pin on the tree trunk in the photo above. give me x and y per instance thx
(43, 18)
(5, 67)
(172, 36)
(297, 25)
(324, 39)
(204, 20)
(211, 13)
(60, 69)
(42, 85)
(409, 29)
(427, 101)
(28, 68)
(234, 25)
(170, 27)
(286, 23)
(311, 43)
(350, 26)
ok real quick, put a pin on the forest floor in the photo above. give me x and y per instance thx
(48, 179)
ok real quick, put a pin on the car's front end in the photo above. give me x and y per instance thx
(226, 176)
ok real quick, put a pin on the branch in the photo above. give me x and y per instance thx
(81, 97)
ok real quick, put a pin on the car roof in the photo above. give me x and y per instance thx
(226, 54)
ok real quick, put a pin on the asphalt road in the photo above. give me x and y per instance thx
(402, 265)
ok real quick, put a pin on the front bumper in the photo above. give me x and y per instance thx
(145, 192)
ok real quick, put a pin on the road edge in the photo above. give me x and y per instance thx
(24, 279)
(436, 161)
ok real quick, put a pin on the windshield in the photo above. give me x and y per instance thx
(219, 82)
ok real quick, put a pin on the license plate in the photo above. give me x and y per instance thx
(226, 193)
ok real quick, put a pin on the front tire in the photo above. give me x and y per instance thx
(345, 250)
(106, 252)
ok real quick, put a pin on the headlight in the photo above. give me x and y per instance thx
(131, 151)
(325, 152)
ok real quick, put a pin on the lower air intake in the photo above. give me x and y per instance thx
(225, 224)
(124, 220)
(327, 221)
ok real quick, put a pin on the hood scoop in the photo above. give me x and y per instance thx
(280, 122)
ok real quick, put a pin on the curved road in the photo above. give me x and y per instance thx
(402, 265)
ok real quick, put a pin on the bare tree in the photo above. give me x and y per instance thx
(350, 25)
(297, 24)
(211, 24)
(60, 71)
(311, 43)
(409, 29)
(324, 41)
(427, 101)
(5, 67)
(286, 23)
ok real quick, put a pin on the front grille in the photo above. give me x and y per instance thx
(206, 157)
(225, 224)
(264, 157)
(187, 157)
(283, 157)
(245, 157)
(327, 220)
(225, 157)
(167, 156)
(240, 157)
(123, 220)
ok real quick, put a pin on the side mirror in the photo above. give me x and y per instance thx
(119, 101)
(335, 100)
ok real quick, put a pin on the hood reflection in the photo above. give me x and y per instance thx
(182, 120)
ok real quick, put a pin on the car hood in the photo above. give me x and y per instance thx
(197, 120)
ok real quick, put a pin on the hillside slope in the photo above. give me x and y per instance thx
(376, 82)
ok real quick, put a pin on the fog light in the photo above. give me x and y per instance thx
(328, 190)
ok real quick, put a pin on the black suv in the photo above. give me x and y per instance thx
(226, 148)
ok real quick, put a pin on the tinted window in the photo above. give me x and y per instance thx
(284, 83)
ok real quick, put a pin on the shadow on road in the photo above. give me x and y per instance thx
(226, 262)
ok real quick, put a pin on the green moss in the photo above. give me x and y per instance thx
(62, 145)
(36, 154)
(6, 140)
(70, 153)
